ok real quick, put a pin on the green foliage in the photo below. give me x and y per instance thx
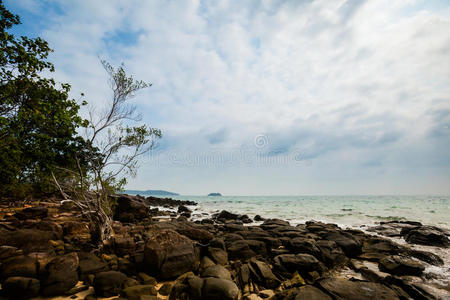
(38, 122)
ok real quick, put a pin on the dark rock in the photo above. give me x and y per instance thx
(155, 201)
(194, 232)
(183, 209)
(263, 274)
(401, 266)
(124, 245)
(130, 208)
(50, 226)
(303, 263)
(8, 252)
(165, 289)
(427, 257)
(22, 266)
(310, 292)
(331, 254)
(21, 287)
(304, 245)
(216, 271)
(343, 289)
(219, 255)
(276, 222)
(346, 241)
(226, 215)
(240, 249)
(108, 284)
(258, 218)
(219, 289)
(169, 254)
(27, 240)
(135, 292)
(36, 212)
(89, 263)
(61, 275)
(428, 235)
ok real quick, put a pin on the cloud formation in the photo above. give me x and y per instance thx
(359, 89)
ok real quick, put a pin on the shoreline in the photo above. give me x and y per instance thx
(224, 256)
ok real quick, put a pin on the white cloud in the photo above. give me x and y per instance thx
(352, 83)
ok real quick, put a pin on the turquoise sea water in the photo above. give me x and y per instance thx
(354, 211)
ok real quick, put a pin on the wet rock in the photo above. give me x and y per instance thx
(427, 257)
(22, 266)
(110, 283)
(155, 201)
(398, 265)
(135, 292)
(219, 289)
(343, 289)
(169, 254)
(216, 271)
(428, 235)
(183, 209)
(60, 275)
(258, 218)
(21, 287)
(36, 212)
(226, 215)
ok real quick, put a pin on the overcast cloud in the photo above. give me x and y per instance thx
(270, 97)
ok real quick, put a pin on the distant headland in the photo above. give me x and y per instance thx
(214, 195)
(151, 192)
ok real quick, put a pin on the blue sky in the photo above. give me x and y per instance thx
(270, 97)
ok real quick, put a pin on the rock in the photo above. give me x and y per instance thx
(226, 215)
(193, 232)
(8, 252)
(169, 254)
(263, 274)
(135, 292)
(27, 240)
(51, 226)
(346, 241)
(110, 283)
(273, 222)
(219, 255)
(310, 292)
(89, 263)
(343, 289)
(331, 254)
(21, 287)
(124, 245)
(258, 218)
(183, 209)
(61, 275)
(303, 263)
(304, 245)
(216, 271)
(130, 208)
(22, 266)
(240, 249)
(36, 212)
(219, 289)
(427, 257)
(146, 279)
(428, 235)
(165, 289)
(266, 294)
(398, 265)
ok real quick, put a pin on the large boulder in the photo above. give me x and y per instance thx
(216, 271)
(343, 289)
(302, 263)
(137, 292)
(130, 208)
(108, 284)
(60, 275)
(263, 274)
(398, 265)
(21, 287)
(219, 289)
(346, 241)
(310, 292)
(28, 240)
(89, 263)
(169, 254)
(429, 236)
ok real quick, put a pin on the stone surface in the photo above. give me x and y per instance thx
(216, 271)
(310, 292)
(23, 266)
(169, 254)
(343, 289)
(110, 283)
(36, 212)
(21, 287)
(60, 275)
(397, 265)
(135, 292)
(428, 235)
(219, 289)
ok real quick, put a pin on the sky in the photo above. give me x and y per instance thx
(269, 97)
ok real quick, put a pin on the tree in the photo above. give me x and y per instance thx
(113, 151)
(38, 121)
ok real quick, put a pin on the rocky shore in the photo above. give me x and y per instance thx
(46, 251)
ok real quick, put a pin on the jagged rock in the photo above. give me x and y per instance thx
(22, 266)
(130, 208)
(343, 289)
(135, 292)
(169, 254)
(428, 235)
(401, 266)
(331, 254)
(427, 257)
(21, 287)
(193, 232)
(216, 271)
(60, 275)
(346, 241)
(110, 283)
(219, 289)
(36, 212)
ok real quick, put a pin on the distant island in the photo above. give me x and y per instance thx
(151, 192)
(214, 195)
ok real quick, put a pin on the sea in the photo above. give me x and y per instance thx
(346, 211)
